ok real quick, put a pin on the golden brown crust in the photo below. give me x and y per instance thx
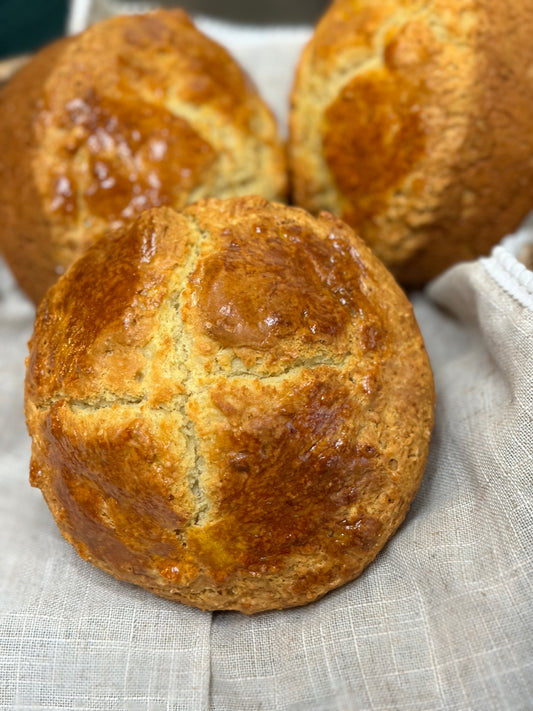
(137, 111)
(412, 121)
(230, 406)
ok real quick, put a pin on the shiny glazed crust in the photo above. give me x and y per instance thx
(137, 111)
(412, 120)
(229, 406)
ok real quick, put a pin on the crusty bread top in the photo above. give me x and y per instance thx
(411, 120)
(230, 406)
(137, 111)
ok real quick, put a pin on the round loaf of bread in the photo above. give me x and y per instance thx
(137, 111)
(230, 405)
(412, 120)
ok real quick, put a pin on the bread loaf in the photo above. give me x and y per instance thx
(137, 111)
(229, 406)
(412, 120)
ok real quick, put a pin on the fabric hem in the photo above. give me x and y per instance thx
(510, 274)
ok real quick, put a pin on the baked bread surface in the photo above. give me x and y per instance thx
(137, 111)
(229, 406)
(412, 120)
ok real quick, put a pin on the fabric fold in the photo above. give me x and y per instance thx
(443, 618)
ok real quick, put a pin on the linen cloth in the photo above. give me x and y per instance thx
(442, 620)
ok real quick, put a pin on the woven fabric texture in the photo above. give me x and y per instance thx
(442, 620)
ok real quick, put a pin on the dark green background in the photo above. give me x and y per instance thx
(26, 25)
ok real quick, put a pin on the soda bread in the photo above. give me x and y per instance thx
(229, 406)
(412, 120)
(137, 111)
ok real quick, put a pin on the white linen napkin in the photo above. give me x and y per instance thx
(442, 620)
